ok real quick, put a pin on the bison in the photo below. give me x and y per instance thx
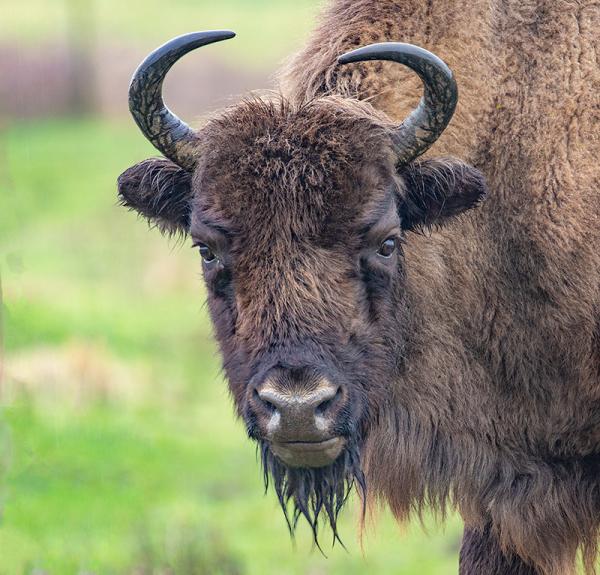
(376, 330)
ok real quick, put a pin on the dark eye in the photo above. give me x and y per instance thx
(207, 254)
(387, 248)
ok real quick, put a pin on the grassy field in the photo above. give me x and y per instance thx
(122, 452)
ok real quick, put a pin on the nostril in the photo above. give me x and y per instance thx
(264, 402)
(325, 405)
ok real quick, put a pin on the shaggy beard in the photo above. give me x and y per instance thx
(314, 492)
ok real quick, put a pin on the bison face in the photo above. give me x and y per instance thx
(300, 216)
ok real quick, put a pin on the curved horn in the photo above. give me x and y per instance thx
(167, 133)
(428, 120)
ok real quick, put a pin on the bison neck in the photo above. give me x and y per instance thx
(496, 409)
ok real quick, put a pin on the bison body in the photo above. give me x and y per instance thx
(463, 367)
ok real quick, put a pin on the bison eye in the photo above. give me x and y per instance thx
(387, 248)
(207, 254)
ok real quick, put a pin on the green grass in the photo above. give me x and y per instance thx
(267, 29)
(122, 452)
(88, 490)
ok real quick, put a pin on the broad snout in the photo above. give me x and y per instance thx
(297, 411)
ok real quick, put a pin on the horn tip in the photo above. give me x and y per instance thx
(228, 34)
(345, 58)
(208, 36)
(369, 52)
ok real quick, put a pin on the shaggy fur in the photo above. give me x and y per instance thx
(472, 360)
(314, 491)
(480, 553)
(160, 191)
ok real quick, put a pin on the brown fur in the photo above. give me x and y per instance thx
(481, 553)
(474, 361)
(519, 443)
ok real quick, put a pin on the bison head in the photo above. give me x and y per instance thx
(300, 214)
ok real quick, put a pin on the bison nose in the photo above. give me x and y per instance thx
(295, 406)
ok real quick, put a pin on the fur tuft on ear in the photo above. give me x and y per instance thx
(159, 190)
(438, 189)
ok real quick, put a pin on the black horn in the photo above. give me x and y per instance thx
(426, 123)
(167, 133)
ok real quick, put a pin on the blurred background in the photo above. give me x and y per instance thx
(119, 450)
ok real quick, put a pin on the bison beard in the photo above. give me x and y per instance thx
(312, 491)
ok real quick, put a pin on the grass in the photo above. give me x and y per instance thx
(267, 29)
(122, 452)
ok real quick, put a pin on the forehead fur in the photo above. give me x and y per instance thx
(306, 167)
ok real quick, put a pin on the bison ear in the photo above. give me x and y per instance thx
(438, 189)
(159, 190)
